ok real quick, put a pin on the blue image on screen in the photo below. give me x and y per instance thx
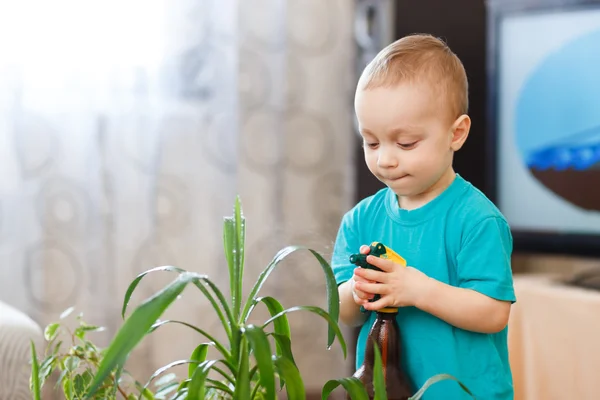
(557, 121)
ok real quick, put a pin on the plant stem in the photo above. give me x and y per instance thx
(122, 392)
(255, 391)
(224, 374)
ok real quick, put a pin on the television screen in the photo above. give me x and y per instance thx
(547, 120)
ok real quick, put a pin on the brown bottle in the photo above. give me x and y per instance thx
(386, 334)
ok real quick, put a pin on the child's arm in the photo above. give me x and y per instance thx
(483, 295)
(405, 286)
(464, 308)
(350, 298)
(350, 313)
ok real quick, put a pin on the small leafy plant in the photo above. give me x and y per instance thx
(75, 359)
(255, 361)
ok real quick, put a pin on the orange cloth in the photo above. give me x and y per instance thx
(554, 340)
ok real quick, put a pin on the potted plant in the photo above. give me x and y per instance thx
(255, 362)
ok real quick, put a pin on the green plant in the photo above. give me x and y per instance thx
(357, 391)
(75, 359)
(256, 361)
(249, 366)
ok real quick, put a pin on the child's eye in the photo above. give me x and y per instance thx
(407, 146)
(371, 145)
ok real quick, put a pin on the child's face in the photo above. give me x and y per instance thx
(409, 141)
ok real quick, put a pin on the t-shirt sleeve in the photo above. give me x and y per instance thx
(346, 243)
(484, 261)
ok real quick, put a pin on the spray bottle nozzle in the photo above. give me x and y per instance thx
(359, 260)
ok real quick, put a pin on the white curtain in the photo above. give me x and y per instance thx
(128, 127)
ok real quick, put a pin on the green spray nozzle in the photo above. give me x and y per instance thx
(360, 260)
(376, 249)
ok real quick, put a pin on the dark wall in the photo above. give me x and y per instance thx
(462, 24)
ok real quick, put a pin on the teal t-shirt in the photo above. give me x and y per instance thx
(459, 238)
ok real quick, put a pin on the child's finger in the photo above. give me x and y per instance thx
(364, 249)
(369, 275)
(381, 263)
(361, 294)
(376, 305)
(359, 278)
(360, 297)
(364, 295)
(375, 288)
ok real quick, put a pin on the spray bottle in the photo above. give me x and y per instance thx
(385, 333)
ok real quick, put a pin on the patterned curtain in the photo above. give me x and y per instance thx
(127, 129)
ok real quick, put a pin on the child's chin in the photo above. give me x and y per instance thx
(404, 192)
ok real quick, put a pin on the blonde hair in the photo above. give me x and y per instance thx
(420, 58)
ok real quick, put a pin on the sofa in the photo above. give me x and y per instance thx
(17, 330)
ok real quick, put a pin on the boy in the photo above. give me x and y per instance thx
(411, 104)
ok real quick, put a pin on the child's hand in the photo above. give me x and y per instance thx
(398, 286)
(361, 297)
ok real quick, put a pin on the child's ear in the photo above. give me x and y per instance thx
(460, 131)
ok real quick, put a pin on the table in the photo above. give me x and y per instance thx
(554, 340)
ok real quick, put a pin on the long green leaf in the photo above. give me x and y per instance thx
(166, 389)
(146, 394)
(285, 345)
(219, 386)
(228, 247)
(435, 379)
(234, 233)
(180, 395)
(227, 320)
(333, 300)
(164, 369)
(197, 388)
(224, 374)
(236, 341)
(319, 311)
(353, 387)
(289, 373)
(183, 384)
(137, 280)
(259, 343)
(255, 390)
(263, 277)
(199, 355)
(240, 238)
(379, 389)
(222, 349)
(281, 325)
(35, 373)
(253, 373)
(242, 387)
(136, 327)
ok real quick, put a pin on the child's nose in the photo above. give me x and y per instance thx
(387, 159)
